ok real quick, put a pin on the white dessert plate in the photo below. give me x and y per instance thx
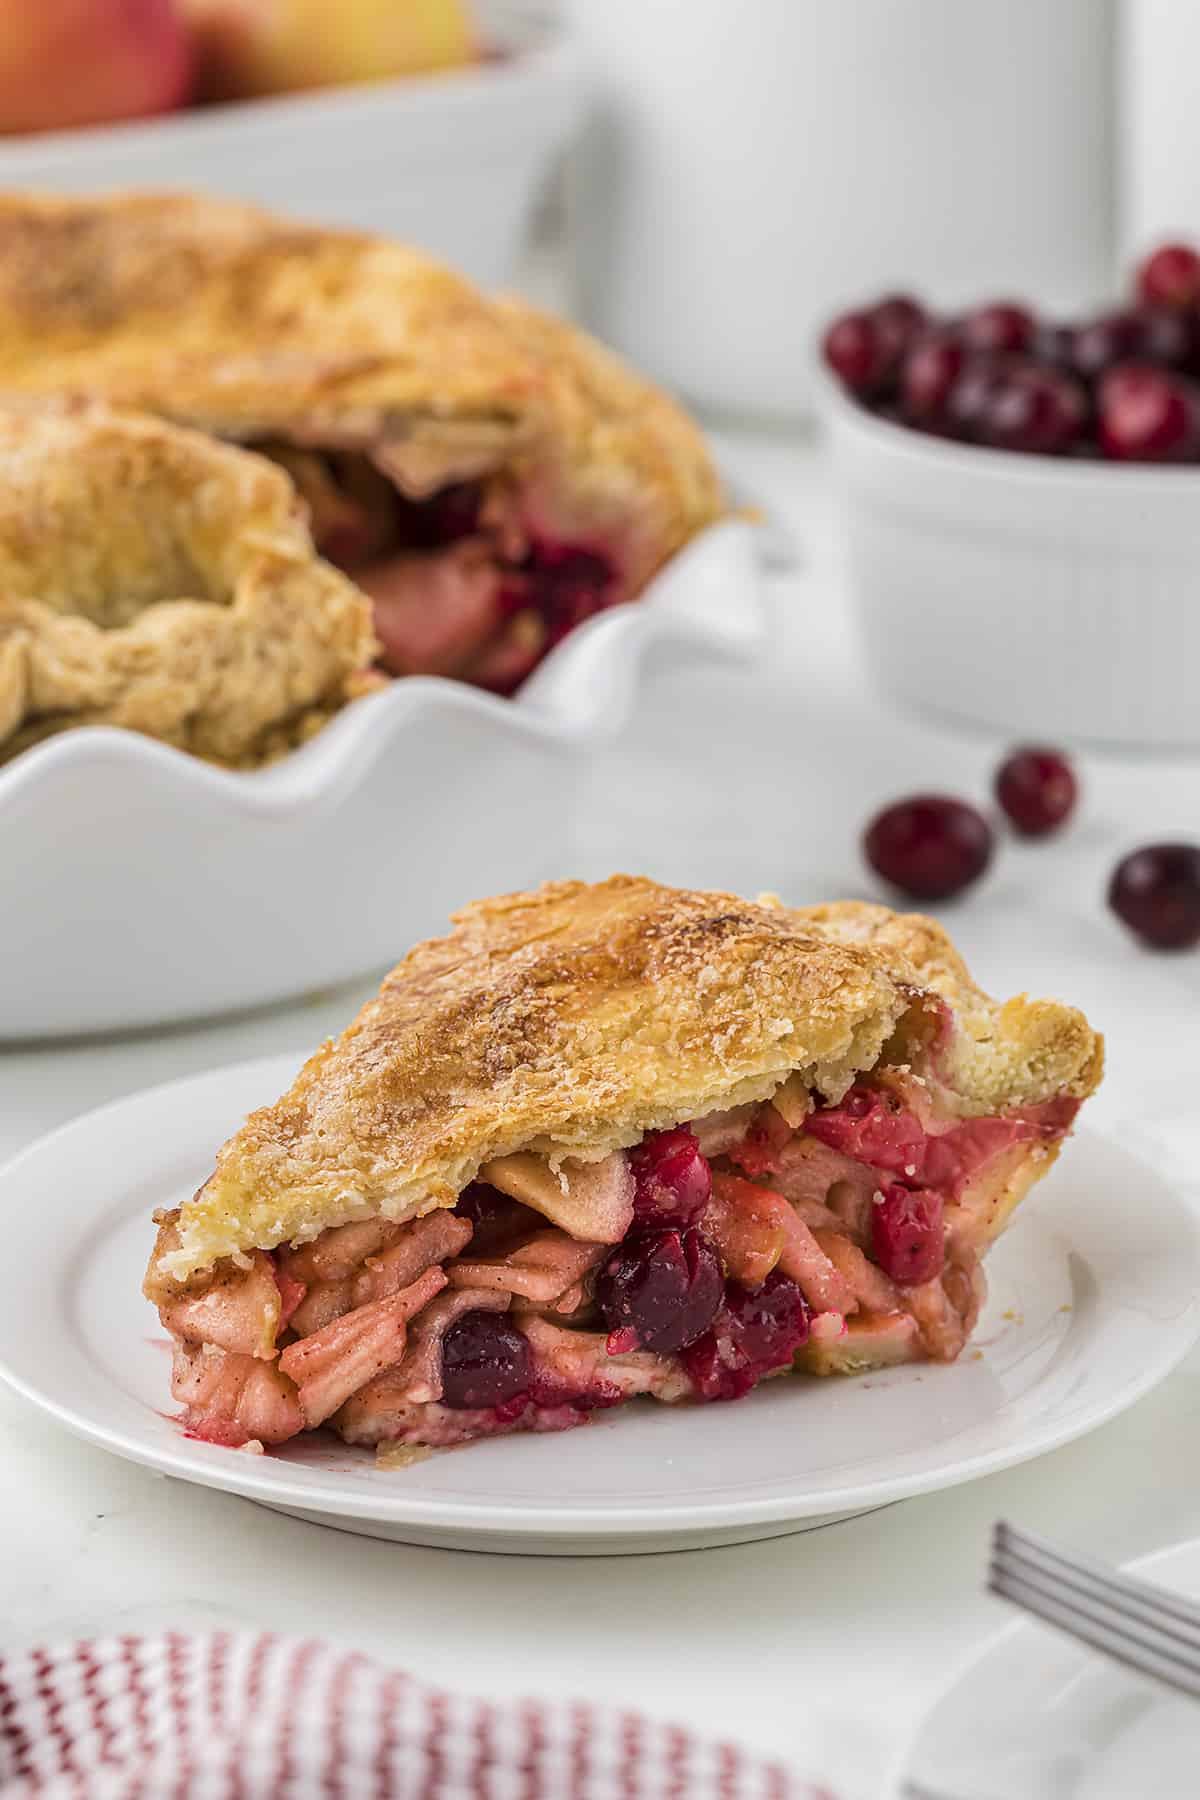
(1085, 1316)
(1040, 1718)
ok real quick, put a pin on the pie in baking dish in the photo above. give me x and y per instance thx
(610, 1141)
(490, 476)
(153, 578)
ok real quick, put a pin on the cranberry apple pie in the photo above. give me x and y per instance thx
(153, 578)
(610, 1141)
(489, 476)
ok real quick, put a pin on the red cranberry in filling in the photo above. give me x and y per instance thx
(445, 517)
(1037, 789)
(485, 1362)
(906, 1235)
(770, 1323)
(672, 1180)
(1170, 276)
(1156, 892)
(930, 846)
(758, 1330)
(567, 585)
(659, 1292)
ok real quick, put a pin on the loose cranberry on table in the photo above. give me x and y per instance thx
(1156, 892)
(1148, 415)
(930, 846)
(1036, 787)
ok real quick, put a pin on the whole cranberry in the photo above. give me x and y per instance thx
(1148, 415)
(900, 320)
(672, 1181)
(858, 351)
(756, 1331)
(1156, 892)
(1040, 411)
(768, 1323)
(929, 846)
(1103, 342)
(485, 1361)
(659, 1292)
(1170, 276)
(1053, 343)
(1166, 335)
(1002, 326)
(927, 375)
(971, 394)
(906, 1234)
(1037, 789)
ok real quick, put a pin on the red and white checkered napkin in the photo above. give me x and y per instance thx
(232, 1716)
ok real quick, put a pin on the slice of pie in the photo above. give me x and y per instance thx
(153, 578)
(609, 1141)
(488, 475)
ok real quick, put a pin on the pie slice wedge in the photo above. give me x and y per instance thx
(489, 476)
(612, 1141)
(153, 578)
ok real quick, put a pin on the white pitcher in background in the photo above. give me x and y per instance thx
(752, 164)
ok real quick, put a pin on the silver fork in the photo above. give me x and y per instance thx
(1133, 1622)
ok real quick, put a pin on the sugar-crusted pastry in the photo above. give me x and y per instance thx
(616, 1140)
(490, 476)
(153, 578)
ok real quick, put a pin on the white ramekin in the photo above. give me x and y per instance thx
(453, 162)
(140, 885)
(1049, 598)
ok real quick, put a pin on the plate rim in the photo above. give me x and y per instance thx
(241, 1475)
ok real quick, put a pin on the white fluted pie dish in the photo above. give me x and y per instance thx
(142, 885)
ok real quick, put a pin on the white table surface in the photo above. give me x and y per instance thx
(825, 1647)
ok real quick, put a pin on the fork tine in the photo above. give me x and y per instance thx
(1090, 1609)
(1140, 1595)
(1138, 1602)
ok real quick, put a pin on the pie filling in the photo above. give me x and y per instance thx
(465, 581)
(792, 1234)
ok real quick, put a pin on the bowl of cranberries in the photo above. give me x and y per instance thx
(1021, 497)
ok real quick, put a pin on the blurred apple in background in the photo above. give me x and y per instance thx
(85, 62)
(252, 47)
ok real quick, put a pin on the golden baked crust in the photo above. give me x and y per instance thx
(574, 1019)
(257, 328)
(155, 579)
(1015, 1054)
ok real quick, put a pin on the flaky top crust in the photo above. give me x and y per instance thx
(153, 578)
(258, 328)
(574, 1019)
